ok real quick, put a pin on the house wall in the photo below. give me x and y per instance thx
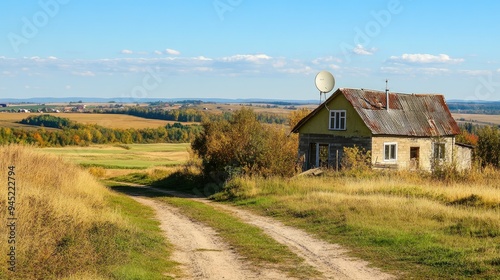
(463, 157)
(335, 143)
(404, 145)
(318, 124)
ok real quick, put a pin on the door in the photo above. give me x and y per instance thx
(414, 157)
(318, 155)
(311, 162)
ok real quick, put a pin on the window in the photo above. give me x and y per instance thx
(390, 151)
(337, 120)
(439, 149)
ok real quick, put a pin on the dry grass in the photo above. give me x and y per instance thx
(106, 120)
(61, 214)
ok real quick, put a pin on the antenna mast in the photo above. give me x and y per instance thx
(386, 94)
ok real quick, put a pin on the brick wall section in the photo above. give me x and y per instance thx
(404, 145)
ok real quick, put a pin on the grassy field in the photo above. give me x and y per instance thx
(489, 119)
(132, 156)
(69, 226)
(399, 221)
(106, 120)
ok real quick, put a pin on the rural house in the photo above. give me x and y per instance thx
(402, 131)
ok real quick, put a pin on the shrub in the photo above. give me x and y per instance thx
(356, 159)
(97, 172)
(488, 146)
(243, 145)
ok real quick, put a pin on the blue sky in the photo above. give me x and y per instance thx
(247, 49)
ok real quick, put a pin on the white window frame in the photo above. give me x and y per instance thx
(438, 153)
(332, 120)
(395, 151)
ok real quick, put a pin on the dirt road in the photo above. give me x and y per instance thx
(205, 256)
(201, 253)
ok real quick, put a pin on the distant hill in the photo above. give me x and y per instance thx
(143, 100)
(474, 107)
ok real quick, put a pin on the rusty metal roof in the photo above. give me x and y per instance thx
(419, 115)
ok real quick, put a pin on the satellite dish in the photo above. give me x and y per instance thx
(324, 81)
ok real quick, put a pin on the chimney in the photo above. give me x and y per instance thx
(386, 95)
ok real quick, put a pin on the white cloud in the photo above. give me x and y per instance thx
(297, 70)
(334, 66)
(172, 52)
(68, 87)
(419, 58)
(202, 58)
(430, 71)
(247, 57)
(279, 63)
(127, 52)
(158, 52)
(328, 59)
(83, 74)
(203, 69)
(360, 50)
(240, 64)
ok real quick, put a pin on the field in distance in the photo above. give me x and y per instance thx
(132, 156)
(477, 118)
(107, 120)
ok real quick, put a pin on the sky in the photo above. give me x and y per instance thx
(247, 48)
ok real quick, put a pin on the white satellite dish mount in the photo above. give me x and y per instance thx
(324, 83)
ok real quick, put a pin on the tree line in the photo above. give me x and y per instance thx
(192, 115)
(486, 140)
(72, 133)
